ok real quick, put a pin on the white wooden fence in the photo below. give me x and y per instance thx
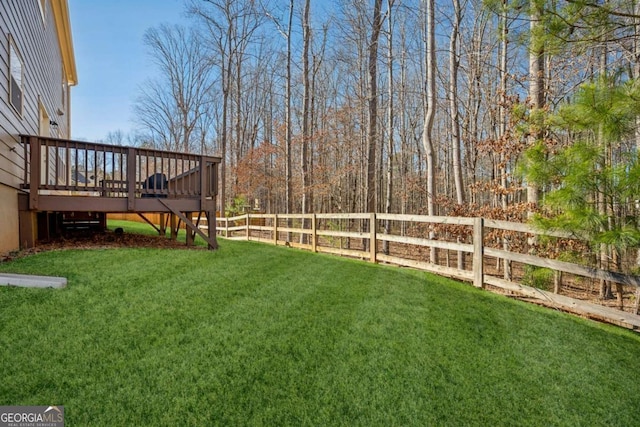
(363, 236)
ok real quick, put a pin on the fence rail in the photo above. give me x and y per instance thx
(462, 248)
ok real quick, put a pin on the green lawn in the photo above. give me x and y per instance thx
(260, 335)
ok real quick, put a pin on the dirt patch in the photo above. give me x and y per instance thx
(102, 240)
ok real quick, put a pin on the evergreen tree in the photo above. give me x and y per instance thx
(591, 181)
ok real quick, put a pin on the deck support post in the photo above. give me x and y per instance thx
(189, 233)
(35, 178)
(163, 225)
(211, 222)
(28, 224)
(173, 223)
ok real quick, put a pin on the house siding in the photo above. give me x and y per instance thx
(36, 40)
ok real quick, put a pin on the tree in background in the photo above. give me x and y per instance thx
(174, 108)
(446, 145)
(430, 108)
(594, 161)
(229, 28)
(373, 95)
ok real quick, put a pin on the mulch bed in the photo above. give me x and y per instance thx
(101, 240)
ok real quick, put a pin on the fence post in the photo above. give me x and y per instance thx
(314, 241)
(478, 253)
(226, 227)
(373, 244)
(248, 224)
(275, 229)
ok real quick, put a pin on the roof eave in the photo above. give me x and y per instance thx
(63, 27)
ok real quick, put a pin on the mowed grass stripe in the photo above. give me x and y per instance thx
(254, 334)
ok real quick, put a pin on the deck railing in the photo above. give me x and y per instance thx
(69, 167)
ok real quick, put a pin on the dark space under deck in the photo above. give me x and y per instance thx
(77, 182)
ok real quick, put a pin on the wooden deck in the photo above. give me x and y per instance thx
(64, 176)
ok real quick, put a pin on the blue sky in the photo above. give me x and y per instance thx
(111, 60)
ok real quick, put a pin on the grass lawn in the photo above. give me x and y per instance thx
(260, 335)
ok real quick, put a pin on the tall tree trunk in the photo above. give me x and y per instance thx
(317, 60)
(372, 132)
(288, 171)
(288, 125)
(226, 82)
(239, 140)
(636, 75)
(223, 148)
(536, 100)
(454, 64)
(306, 131)
(456, 142)
(604, 209)
(504, 44)
(404, 138)
(390, 120)
(430, 111)
(536, 90)
(635, 69)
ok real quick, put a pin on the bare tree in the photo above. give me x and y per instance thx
(171, 107)
(536, 87)
(390, 121)
(372, 133)
(454, 65)
(230, 29)
(430, 108)
(288, 130)
(502, 119)
(306, 106)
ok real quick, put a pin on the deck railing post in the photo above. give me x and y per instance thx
(478, 253)
(131, 179)
(203, 183)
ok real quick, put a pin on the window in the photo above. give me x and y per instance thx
(16, 78)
